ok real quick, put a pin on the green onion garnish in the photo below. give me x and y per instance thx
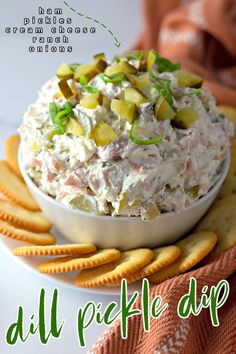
(61, 115)
(164, 64)
(136, 55)
(195, 92)
(166, 93)
(117, 59)
(74, 66)
(68, 106)
(53, 111)
(115, 79)
(84, 83)
(138, 141)
(59, 118)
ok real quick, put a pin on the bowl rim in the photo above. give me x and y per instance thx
(37, 190)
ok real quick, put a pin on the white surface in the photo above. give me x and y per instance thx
(21, 76)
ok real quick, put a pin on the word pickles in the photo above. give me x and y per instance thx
(50, 31)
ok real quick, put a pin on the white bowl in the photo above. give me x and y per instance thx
(122, 232)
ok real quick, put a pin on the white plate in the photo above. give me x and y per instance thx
(63, 279)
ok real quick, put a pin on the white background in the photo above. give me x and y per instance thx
(21, 75)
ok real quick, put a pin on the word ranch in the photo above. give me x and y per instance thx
(49, 27)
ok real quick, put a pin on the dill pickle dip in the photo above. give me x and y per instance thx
(136, 137)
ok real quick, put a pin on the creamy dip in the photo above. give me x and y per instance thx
(124, 177)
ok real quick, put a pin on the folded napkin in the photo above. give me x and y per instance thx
(201, 34)
(170, 333)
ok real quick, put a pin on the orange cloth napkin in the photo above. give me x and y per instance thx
(201, 34)
(171, 334)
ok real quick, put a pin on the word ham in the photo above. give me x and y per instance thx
(48, 23)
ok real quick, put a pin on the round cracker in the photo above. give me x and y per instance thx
(55, 250)
(229, 112)
(11, 151)
(163, 256)
(71, 264)
(193, 249)
(15, 189)
(111, 274)
(26, 236)
(229, 185)
(221, 219)
(22, 218)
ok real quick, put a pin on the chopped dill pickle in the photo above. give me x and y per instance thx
(85, 203)
(106, 102)
(58, 95)
(51, 134)
(139, 82)
(186, 79)
(122, 202)
(64, 72)
(103, 134)
(185, 117)
(124, 109)
(91, 101)
(100, 65)
(193, 191)
(133, 96)
(152, 212)
(35, 147)
(143, 61)
(122, 67)
(100, 62)
(73, 127)
(140, 56)
(163, 110)
(87, 70)
(99, 56)
(65, 89)
(151, 58)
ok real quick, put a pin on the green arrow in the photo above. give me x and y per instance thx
(100, 23)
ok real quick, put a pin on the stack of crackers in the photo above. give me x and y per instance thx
(20, 219)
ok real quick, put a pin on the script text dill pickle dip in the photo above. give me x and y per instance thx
(137, 137)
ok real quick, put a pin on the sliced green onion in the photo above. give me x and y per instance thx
(114, 79)
(164, 64)
(138, 141)
(83, 80)
(195, 92)
(84, 83)
(59, 118)
(136, 55)
(68, 106)
(74, 66)
(166, 93)
(163, 91)
(117, 59)
(159, 79)
(53, 111)
(62, 114)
